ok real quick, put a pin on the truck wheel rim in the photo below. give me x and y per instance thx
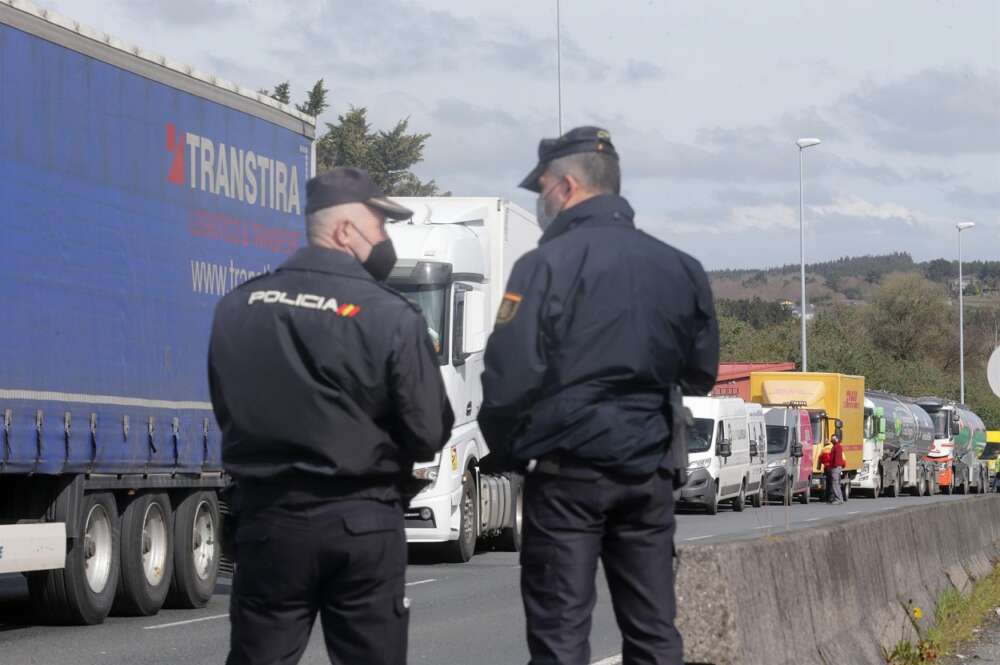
(468, 523)
(97, 544)
(203, 541)
(154, 544)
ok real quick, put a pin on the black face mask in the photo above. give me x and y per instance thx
(381, 260)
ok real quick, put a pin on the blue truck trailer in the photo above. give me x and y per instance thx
(134, 192)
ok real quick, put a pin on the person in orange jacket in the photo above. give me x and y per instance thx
(826, 465)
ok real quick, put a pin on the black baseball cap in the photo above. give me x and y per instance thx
(347, 184)
(580, 139)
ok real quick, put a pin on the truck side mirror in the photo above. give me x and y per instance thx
(724, 448)
(955, 418)
(796, 450)
(881, 426)
(474, 324)
(753, 447)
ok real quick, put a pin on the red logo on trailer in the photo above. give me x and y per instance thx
(175, 145)
(851, 400)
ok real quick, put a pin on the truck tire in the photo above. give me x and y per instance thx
(197, 548)
(462, 549)
(759, 497)
(712, 505)
(509, 539)
(806, 496)
(740, 502)
(83, 592)
(147, 555)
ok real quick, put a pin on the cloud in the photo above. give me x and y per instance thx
(973, 199)
(388, 39)
(935, 111)
(641, 71)
(185, 13)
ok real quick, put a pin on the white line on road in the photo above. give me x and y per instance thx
(612, 660)
(854, 512)
(182, 623)
(420, 582)
(814, 519)
(685, 540)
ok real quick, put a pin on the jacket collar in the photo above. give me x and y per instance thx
(604, 209)
(331, 261)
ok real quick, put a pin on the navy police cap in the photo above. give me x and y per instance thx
(580, 139)
(346, 184)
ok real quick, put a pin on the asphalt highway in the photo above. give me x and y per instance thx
(461, 614)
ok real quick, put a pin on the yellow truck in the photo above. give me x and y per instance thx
(836, 405)
(992, 454)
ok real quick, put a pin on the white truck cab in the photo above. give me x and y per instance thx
(454, 258)
(718, 454)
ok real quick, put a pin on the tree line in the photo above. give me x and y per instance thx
(904, 340)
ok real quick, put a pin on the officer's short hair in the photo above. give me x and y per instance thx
(594, 171)
(319, 222)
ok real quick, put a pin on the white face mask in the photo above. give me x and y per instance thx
(542, 213)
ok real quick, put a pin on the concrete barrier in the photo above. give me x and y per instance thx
(831, 595)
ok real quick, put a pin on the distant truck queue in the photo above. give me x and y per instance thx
(769, 448)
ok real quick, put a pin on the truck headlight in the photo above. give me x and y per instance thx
(427, 473)
(699, 464)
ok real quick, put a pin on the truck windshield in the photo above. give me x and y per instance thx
(777, 439)
(700, 439)
(431, 300)
(940, 419)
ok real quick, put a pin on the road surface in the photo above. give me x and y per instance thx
(460, 614)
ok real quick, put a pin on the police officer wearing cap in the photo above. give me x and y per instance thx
(327, 390)
(599, 326)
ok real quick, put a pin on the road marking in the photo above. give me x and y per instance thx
(889, 508)
(420, 582)
(766, 526)
(611, 660)
(182, 623)
(814, 519)
(711, 535)
(854, 512)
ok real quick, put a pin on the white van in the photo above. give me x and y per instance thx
(756, 474)
(718, 454)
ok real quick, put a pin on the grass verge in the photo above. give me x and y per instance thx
(956, 616)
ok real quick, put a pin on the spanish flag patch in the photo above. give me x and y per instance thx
(508, 307)
(348, 311)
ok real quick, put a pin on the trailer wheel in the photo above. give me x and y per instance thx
(197, 548)
(462, 549)
(740, 502)
(147, 555)
(509, 539)
(84, 591)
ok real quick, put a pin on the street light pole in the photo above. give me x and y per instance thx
(559, 64)
(803, 144)
(961, 313)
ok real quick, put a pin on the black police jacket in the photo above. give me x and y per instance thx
(320, 373)
(596, 325)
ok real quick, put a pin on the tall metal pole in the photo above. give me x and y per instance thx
(961, 325)
(559, 64)
(802, 259)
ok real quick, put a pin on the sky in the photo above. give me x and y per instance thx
(704, 101)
